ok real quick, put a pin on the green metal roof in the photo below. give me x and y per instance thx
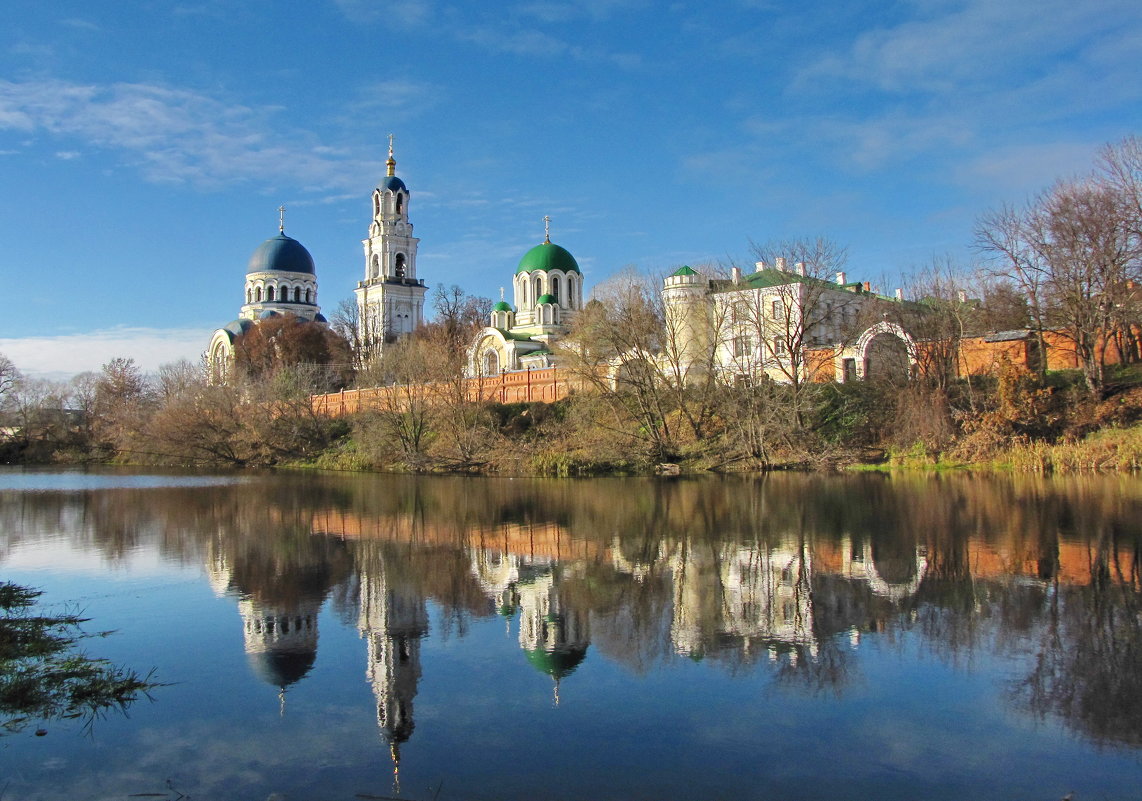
(545, 298)
(503, 305)
(548, 257)
(685, 270)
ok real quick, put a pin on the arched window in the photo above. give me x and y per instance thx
(270, 294)
(400, 203)
(309, 296)
(555, 287)
(399, 271)
(376, 271)
(538, 289)
(249, 296)
(297, 294)
(491, 364)
(376, 204)
(258, 295)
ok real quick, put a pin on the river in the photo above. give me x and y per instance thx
(332, 636)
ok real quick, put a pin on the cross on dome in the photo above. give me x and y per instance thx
(392, 162)
(281, 219)
(546, 230)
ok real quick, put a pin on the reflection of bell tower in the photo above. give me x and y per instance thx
(393, 619)
(554, 637)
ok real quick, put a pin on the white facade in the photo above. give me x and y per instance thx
(390, 299)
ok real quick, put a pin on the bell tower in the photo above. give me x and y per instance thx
(390, 299)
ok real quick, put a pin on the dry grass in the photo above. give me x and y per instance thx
(1108, 450)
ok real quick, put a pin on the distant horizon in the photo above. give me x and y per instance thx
(145, 149)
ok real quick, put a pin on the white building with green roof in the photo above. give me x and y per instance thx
(548, 293)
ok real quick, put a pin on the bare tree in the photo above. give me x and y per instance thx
(791, 305)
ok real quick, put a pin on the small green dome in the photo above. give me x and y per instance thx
(548, 257)
(503, 305)
(685, 269)
(547, 299)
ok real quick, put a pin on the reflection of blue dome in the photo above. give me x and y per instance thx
(281, 668)
(281, 253)
(391, 183)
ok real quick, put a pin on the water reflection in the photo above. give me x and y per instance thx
(782, 574)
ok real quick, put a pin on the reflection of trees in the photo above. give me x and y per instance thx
(739, 571)
(1090, 648)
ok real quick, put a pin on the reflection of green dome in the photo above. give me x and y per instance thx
(548, 257)
(503, 305)
(546, 299)
(557, 664)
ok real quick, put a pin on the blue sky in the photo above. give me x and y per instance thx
(145, 146)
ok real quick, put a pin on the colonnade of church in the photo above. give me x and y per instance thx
(279, 292)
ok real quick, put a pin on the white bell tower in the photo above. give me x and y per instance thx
(391, 298)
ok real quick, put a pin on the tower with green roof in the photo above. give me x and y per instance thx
(685, 298)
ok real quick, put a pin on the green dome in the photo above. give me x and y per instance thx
(503, 305)
(546, 299)
(548, 257)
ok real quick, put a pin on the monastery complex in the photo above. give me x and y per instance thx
(783, 321)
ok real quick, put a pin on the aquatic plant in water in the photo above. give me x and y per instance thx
(43, 675)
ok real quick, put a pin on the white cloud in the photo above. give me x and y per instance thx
(178, 135)
(977, 42)
(68, 354)
(407, 13)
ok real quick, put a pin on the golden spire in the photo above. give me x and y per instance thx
(391, 163)
(546, 230)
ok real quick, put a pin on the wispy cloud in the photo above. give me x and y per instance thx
(405, 13)
(178, 135)
(963, 43)
(70, 354)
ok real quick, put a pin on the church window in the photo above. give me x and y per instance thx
(297, 294)
(376, 266)
(538, 288)
(399, 271)
(555, 287)
(270, 294)
(258, 295)
(249, 296)
(491, 362)
(309, 296)
(400, 204)
(376, 204)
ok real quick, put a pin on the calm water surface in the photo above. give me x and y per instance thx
(792, 637)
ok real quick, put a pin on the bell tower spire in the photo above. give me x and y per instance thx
(391, 298)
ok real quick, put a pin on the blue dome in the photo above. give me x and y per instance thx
(320, 318)
(267, 314)
(281, 253)
(238, 327)
(392, 183)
